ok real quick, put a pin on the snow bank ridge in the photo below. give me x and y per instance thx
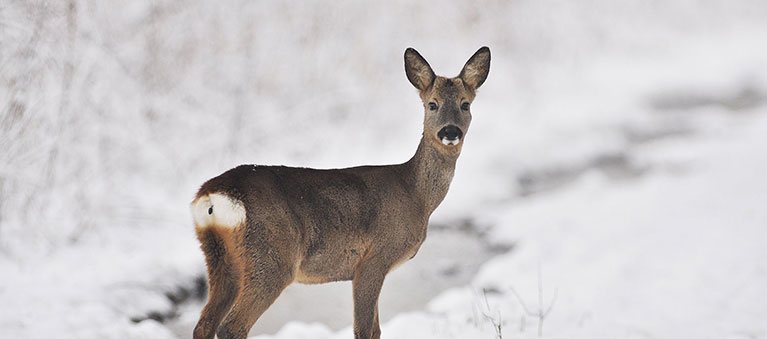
(217, 209)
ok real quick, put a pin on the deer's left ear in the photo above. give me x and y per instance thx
(476, 69)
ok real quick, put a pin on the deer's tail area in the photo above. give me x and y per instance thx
(216, 216)
(217, 209)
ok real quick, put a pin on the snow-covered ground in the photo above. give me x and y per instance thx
(617, 148)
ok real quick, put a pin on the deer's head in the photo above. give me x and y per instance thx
(447, 101)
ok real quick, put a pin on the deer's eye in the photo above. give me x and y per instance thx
(433, 106)
(465, 106)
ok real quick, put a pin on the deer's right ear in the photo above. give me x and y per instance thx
(418, 70)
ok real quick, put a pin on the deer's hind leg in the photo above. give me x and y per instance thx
(222, 286)
(264, 277)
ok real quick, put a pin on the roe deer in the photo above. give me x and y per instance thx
(264, 227)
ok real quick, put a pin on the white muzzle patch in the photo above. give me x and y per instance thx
(446, 141)
(217, 209)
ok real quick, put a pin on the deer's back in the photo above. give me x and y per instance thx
(329, 219)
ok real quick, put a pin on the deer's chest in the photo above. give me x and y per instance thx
(410, 248)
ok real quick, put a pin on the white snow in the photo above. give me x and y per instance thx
(618, 146)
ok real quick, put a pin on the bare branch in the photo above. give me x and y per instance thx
(495, 321)
(541, 313)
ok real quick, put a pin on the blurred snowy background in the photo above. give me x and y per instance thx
(614, 169)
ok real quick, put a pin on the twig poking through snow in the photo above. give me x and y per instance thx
(496, 321)
(540, 313)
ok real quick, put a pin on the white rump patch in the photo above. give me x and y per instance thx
(447, 141)
(217, 209)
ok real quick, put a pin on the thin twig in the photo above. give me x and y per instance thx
(541, 312)
(497, 321)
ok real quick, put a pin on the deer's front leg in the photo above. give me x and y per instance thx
(367, 286)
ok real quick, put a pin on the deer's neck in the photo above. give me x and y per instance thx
(432, 171)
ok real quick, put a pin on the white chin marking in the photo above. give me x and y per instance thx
(217, 209)
(445, 141)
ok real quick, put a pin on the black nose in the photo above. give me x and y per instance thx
(450, 132)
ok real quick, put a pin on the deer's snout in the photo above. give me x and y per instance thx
(450, 135)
